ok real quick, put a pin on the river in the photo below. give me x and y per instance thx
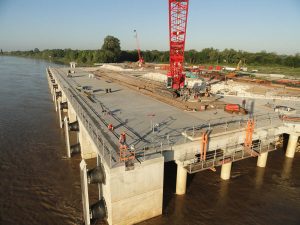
(39, 186)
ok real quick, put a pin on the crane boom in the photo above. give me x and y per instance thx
(178, 13)
(141, 59)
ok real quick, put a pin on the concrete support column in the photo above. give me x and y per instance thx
(66, 126)
(63, 97)
(48, 79)
(225, 171)
(292, 144)
(262, 159)
(55, 101)
(181, 179)
(51, 88)
(59, 113)
(53, 94)
(71, 113)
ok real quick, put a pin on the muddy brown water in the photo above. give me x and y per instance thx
(39, 186)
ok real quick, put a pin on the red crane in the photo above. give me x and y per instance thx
(141, 59)
(178, 13)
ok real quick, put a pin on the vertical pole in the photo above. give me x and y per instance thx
(55, 101)
(84, 193)
(181, 179)
(262, 159)
(225, 171)
(292, 145)
(59, 114)
(66, 126)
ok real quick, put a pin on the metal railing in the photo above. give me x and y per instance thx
(88, 121)
(224, 154)
(108, 150)
(233, 123)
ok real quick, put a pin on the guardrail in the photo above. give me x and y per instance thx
(258, 96)
(104, 148)
(85, 113)
(224, 154)
(224, 125)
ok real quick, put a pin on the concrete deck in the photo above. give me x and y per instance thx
(137, 114)
(158, 132)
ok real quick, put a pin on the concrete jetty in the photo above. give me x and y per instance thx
(130, 179)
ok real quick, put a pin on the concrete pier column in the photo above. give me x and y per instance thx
(181, 179)
(71, 113)
(56, 103)
(262, 159)
(52, 89)
(48, 79)
(66, 126)
(54, 95)
(225, 171)
(63, 97)
(59, 114)
(292, 144)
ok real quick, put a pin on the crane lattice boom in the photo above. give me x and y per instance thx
(178, 12)
(141, 59)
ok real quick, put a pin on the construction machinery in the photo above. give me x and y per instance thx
(141, 59)
(235, 108)
(178, 14)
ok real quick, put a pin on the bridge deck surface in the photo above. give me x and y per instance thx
(135, 113)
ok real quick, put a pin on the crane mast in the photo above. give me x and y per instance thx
(178, 13)
(141, 59)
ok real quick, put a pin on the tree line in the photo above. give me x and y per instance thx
(111, 52)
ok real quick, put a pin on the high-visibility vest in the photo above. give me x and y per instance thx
(122, 138)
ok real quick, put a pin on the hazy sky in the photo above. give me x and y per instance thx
(251, 25)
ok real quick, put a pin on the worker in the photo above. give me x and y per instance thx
(244, 103)
(110, 127)
(122, 139)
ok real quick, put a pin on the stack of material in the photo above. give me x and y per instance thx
(156, 77)
(190, 82)
(231, 86)
(195, 83)
(114, 68)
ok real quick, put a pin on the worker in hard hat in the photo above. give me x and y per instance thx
(110, 127)
(122, 139)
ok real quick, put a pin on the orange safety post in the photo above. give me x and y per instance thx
(123, 149)
(126, 155)
(203, 147)
(249, 133)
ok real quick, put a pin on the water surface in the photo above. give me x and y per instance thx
(39, 186)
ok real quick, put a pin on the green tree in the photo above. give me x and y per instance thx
(111, 48)
(111, 43)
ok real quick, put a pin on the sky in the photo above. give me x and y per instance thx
(249, 25)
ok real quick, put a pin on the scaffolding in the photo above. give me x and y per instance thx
(193, 162)
(125, 154)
